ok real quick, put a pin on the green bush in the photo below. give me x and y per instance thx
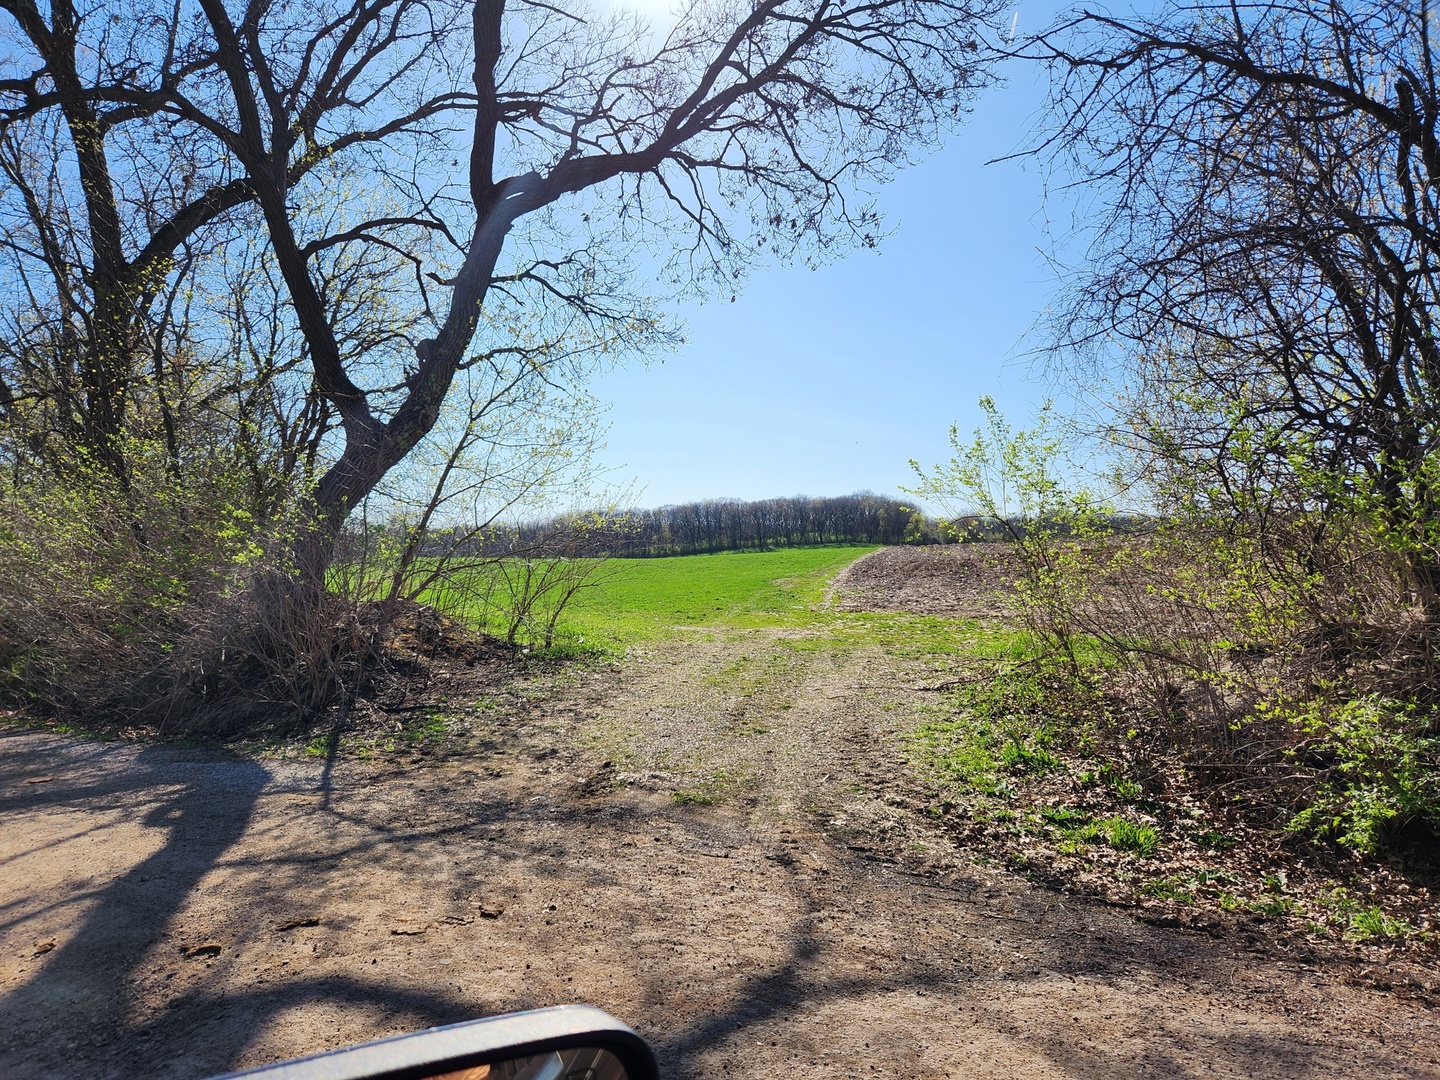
(1385, 773)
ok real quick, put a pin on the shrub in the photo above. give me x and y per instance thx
(1271, 628)
(160, 603)
(1383, 774)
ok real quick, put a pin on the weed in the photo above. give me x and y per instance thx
(1340, 906)
(1372, 924)
(1168, 888)
(1108, 775)
(1125, 788)
(1064, 816)
(1206, 878)
(1123, 835)
(1019, 756)
(693, 797)
(1273, 906)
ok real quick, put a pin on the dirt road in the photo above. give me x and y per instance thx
(714, 841)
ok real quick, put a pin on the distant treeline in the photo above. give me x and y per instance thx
(735, 525)
(716, 525)
(701, 527)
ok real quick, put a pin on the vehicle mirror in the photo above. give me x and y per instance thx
(578, 1063)
(568, 1042)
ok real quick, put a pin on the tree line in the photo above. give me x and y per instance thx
(715, 525)
(704, 527)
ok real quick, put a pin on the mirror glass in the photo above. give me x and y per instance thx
(583, 1063)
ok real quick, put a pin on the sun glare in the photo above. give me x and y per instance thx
(659, 12)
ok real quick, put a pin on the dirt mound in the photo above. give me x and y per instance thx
(412, 631)
(959, 579)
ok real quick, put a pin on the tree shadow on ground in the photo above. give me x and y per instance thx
(83, 1011)
(714, 1042)
(76, 1015)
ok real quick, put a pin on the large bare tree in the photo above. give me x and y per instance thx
(1267, 243)
(515, 175)
(744, 126)
(116, 184)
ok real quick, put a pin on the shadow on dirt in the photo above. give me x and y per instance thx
(804, 964)
(980, 1020)
(77, 1014)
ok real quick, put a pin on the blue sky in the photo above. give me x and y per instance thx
(828, 381)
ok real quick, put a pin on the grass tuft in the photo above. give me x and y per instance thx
(1372, 924)
(693, 797)
(1123, 835)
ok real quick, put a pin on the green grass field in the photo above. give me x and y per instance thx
(640, 599)
(644, 596)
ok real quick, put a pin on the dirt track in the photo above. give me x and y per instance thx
(210, 912)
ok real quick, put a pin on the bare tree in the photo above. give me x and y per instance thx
(107, 194)
(747, 127)
(1266, 251)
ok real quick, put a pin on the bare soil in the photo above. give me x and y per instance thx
(718, 839)
(973, 580)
